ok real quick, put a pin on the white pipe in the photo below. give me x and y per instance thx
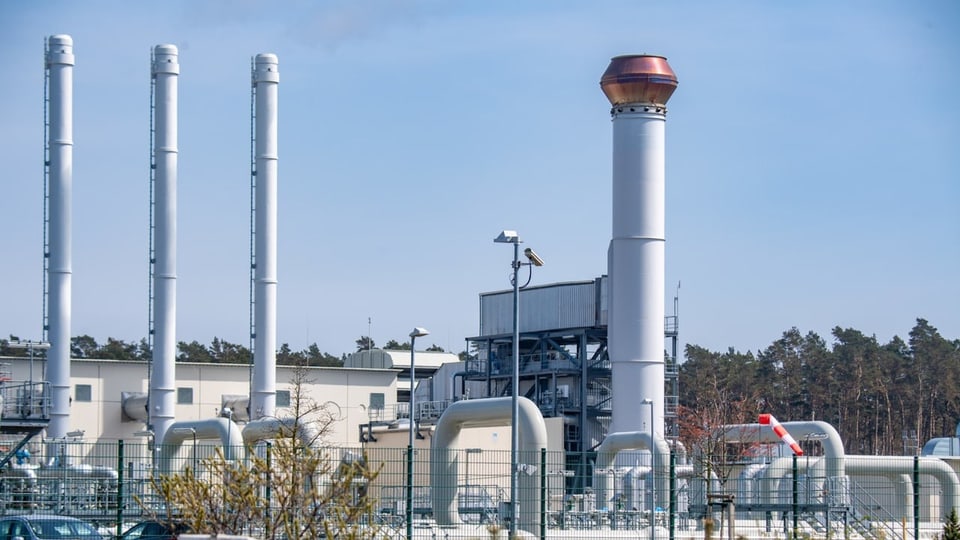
(631, 486)
(532, 435)
(98, 472)
(889, 465)
(780, 468)
(747, 483)
(272, 428)
(239, 407)
(679, 450)
(906, 481)
(212, 428)
(134, 405)
(266, 79)
(635, 330)
(828, 436)
(27, 472)
(632, 440)
(165, 71)
(60, 63)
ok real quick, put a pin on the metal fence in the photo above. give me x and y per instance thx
(787, 497)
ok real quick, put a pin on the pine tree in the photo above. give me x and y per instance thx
(951, 529)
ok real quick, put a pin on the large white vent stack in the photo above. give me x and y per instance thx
(266, 79)
(162, 402)
(638, 87)
(59, 62)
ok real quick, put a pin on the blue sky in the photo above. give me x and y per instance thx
(813, 159)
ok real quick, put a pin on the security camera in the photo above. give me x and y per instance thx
(534, 258)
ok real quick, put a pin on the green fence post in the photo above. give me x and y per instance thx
(543, 494)
(409, 487)
(795, 498)
(916, 497)
(119, 487)
(673, 494)
(268, 493)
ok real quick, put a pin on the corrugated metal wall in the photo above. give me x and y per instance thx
(577, 304)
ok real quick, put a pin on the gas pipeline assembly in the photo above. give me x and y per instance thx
(585, 385)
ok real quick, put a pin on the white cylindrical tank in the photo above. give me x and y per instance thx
(638, 87)
(266, 79)
(59, 62)
(165, 71)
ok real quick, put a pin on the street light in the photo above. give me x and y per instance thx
(653, 472)
(511, 237)
(417, 332)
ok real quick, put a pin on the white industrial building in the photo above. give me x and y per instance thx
(98, 388)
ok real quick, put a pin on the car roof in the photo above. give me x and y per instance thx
(40, 517)
(174, 524)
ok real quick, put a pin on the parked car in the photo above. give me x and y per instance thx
(154, 530)
(42, 527)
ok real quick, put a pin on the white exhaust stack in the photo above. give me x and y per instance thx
(165, 72)
(266, 79)
(59, 62)
(638, 87)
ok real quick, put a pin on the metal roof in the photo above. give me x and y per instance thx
(387, 359)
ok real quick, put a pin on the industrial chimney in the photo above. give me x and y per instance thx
(638, 87)
(59, 64)
(266, 79)
(162, 402)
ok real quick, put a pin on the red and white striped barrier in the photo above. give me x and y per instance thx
(769, 419)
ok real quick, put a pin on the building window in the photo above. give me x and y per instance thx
(376, 400)
(83, 392)
(283, 398)
(185, 396)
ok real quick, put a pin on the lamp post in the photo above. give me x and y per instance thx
(511, 237)
(417, 332)
(653, 471)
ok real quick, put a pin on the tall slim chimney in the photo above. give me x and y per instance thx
(638, 87)
(59, 63)
(165, 72)
(266, 79)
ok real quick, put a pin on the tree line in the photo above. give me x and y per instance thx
(883, 398)
(219, 351)
(366, 342)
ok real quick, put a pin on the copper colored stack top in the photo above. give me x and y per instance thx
(638, 78)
